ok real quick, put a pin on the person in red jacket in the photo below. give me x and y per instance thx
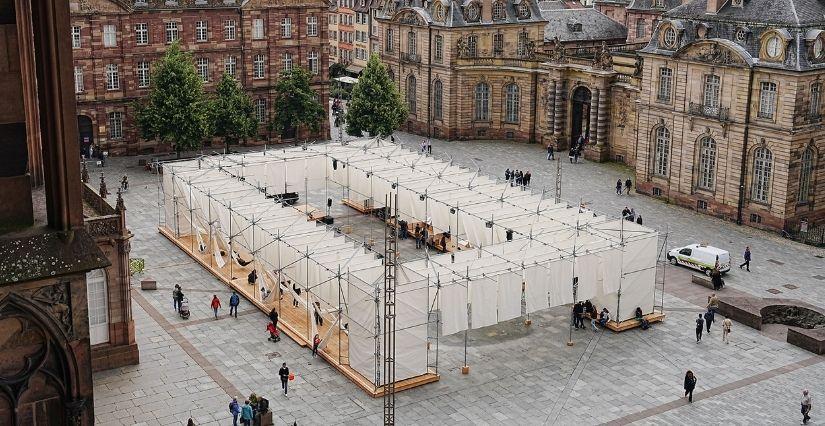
(216, 304)
(316, 341)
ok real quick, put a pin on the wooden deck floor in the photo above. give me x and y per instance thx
(292, 321)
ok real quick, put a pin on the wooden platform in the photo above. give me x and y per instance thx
(358, 206)
(633, 323)
(313, 213)
(292, 321)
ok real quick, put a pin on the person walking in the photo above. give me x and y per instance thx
(316, 341)
(578, 309)
(627, 185)
(216, 304)
(507, 175)
(572, 154)
(273, 316)
(176, 298)
(700, 326)
(709, 318)
(246, 414)
(806, 406)
(619, 187)
(284, 374)
(235, 410)
(726, 324)
(747, 256)
(550, 153)
(234, 301)
(417, 236)
(690, 384)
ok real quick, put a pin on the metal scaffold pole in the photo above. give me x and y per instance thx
(390, 270)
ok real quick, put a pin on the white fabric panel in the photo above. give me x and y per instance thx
(587, 269)
(639, 254)
(361, 328)
(535, 288)
(483, 299)
(452, 300)
(561, 284)
(410, 352)
(611, 270)
(509, 296)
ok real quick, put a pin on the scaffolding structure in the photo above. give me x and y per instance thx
(237, 213)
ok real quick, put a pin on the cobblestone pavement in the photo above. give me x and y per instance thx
(519, 374)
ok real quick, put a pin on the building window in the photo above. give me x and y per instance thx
(260, 110)
(511, 103)
(438, 94)
(388, 40)
(75, 37)
(171, 32)
(229, 30)
(78, 79)
(109, 36)
(439, 48)
(286, 62)
(762, 163)
(670, 37)
(640, 28)
(258, 66)
(411, 48)
(499, 14)
(665, 84)
(767, 99)
(710, 98)
(112, 77)
(662, 153)
(522, 43)
(257, 29)
(312, 26)
(286, 27)
(523, 10)
(116, 125)
(498, 43)
(230, 65)
(816, 99)
(142, 70)
(472, 46)
(807, 167)
(203, 68)
(201, 31)
(411, 93)
(314, 63)
(482, 102)
(707, 163)
(701, 205)
(141, 34)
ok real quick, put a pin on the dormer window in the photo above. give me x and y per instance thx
(473, 12)
(669, 37)
(658, 3)
(523, 10)
(737, 3)
(741, 35)
(819, 48)
(498, 11)
(574, 26)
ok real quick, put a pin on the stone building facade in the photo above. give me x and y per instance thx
(731, 119)
(643, 16)
(116, 42)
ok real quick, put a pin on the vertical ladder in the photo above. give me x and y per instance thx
(390, 269)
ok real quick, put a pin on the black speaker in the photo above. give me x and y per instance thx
(509, 235)
(329, 202)
(263, 405)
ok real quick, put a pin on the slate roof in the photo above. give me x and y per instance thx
(773, 12)
(456, 19)
(651, 5)
(595, 25)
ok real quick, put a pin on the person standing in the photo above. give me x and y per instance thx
(726, 324)
(806, 406)
(234, 301)
(700, 326)
(571, 154)
(284, 374)
(713, 303)
(747, 256)
(273, 316)
(638, 219)
(235, 410)
(619, 187)
(176, 293)
(252, 277)
(246, 413)
(709, 318)
(550, 153)
(429, 147)
(507, 175)
(627, 185)
(316, 341)
(216, 304)
(417, 236)
(690, 384)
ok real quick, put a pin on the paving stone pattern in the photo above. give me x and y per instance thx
(519, 374)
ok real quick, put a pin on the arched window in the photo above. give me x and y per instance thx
(438, 92)
(411, 93)
(807, 167)
(482, 100)
(762, 163)
(98, 306)
(523, 10)
(707, 162)
(411, 43)
(662, 152)
(498, 11)
(391, 74)
(511, 103)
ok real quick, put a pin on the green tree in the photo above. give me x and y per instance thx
(375, 105)
(176, 110)
(232, 115)
(295, 103)
(337, 69)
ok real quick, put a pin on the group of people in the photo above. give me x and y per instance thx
(518, 177)
(628, 213)
(704, 321)
(577, 148)
(587, 310)
(234, 301)
(426, 147)
(623, 189)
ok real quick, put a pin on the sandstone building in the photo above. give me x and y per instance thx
(115, 42)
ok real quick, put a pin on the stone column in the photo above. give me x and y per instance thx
(594, 110)
(558, 119)
(551, 103)
(603, 119)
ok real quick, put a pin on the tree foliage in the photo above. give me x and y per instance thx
(176, 110)
(296, 103)
(337, 69)
(375, 105)
(232, 114)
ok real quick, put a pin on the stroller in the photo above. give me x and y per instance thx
(274, 333)
(184, 308)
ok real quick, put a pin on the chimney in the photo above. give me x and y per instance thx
(714, 6)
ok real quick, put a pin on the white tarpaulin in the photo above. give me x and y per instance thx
(453, 304)
(535, 288)
(509, 296)
(483, 297)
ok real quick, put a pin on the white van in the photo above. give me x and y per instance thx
(700, 256)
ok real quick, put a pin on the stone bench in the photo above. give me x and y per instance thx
(755, 311)
(809, 339)
(702, 280)
(148, 284)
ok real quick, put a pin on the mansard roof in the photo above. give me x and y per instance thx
(595, 25)
(454, 12)
(773, 12)
(654, 5)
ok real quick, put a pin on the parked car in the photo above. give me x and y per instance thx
(700, 256)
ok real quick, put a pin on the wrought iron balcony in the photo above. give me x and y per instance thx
(715, 112)
(410, 57)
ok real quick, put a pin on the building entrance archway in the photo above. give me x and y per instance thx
(86, 134)
(580, 114)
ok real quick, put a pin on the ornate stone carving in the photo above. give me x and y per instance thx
(461, 47)
(531, 50)
(409, 18)
(85, 6)
(84, 173)
(56, 300)
(602, 59)
(103, 191)
(711, 53)
(103, 226)
(557, 51)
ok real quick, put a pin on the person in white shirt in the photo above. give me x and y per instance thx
(806, 406)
